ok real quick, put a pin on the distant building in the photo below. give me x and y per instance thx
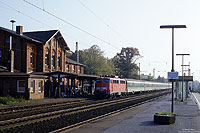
(34, 64)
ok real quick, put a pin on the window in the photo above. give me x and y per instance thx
(54, 42)
(122, 82)
(115, 81)
(46, 59)
(79, 68)
(7, 39)
(59, 63)
(32, 85)
(40, 88)
(0, 53)
(21, 86)
(106, 81)
(49, 43)
(67, 67)
(74, 67)
(31, 58)
(53, 60)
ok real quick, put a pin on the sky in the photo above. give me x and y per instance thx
(113, 24)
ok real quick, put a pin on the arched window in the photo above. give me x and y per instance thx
(46, 59)
(53, 60)
(59, 61)
(31, 58)
(47, 56)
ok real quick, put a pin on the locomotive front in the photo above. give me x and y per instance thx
(102, 87)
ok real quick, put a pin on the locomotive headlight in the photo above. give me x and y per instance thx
(98, 88)
(104, 88)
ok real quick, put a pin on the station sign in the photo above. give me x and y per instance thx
(172, 75)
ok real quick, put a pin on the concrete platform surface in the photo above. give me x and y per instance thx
(140, 119)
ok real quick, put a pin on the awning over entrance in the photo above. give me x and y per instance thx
(60, 74)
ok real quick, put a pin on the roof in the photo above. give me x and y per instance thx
(42, 36)
(18, 35)
(73, 62)
(38, 36)
(19, 74)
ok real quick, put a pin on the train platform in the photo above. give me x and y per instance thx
(140, 118)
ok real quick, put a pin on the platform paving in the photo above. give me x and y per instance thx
(140, 119)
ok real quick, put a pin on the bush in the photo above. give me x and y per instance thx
(11, 100)
(164, 114)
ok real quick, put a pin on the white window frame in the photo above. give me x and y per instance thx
(46, 59)
(49, 43)
(59, 61)
(18, 89)
(53, 61)
(40, 89)
(31, 58)
(54, 43)
(32, 88)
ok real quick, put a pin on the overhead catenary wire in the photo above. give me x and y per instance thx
(38, 21)
(100, 19)
(78, 28)
(28, 16)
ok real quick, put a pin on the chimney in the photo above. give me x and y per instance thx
(19, 30)
(77, 54)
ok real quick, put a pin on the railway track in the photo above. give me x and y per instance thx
(46, 122)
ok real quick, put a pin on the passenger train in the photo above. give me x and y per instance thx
(113, 86)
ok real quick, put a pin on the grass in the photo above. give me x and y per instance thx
(10, 100)
(164, 114)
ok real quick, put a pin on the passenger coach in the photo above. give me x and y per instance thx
(114, 86)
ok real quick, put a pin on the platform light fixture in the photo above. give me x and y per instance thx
(172, 27)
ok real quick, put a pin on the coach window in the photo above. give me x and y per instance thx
(32, 85)
(21, 86)
(115, 81)
(122, 82)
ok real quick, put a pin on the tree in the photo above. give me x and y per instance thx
(124, 62)
(94, 61)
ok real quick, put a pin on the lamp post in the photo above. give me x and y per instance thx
(172, 27)
(182, 70)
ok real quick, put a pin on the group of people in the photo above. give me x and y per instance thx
(71, 92)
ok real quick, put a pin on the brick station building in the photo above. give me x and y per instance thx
(34, 65)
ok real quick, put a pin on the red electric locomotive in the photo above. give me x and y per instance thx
(107, 86)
